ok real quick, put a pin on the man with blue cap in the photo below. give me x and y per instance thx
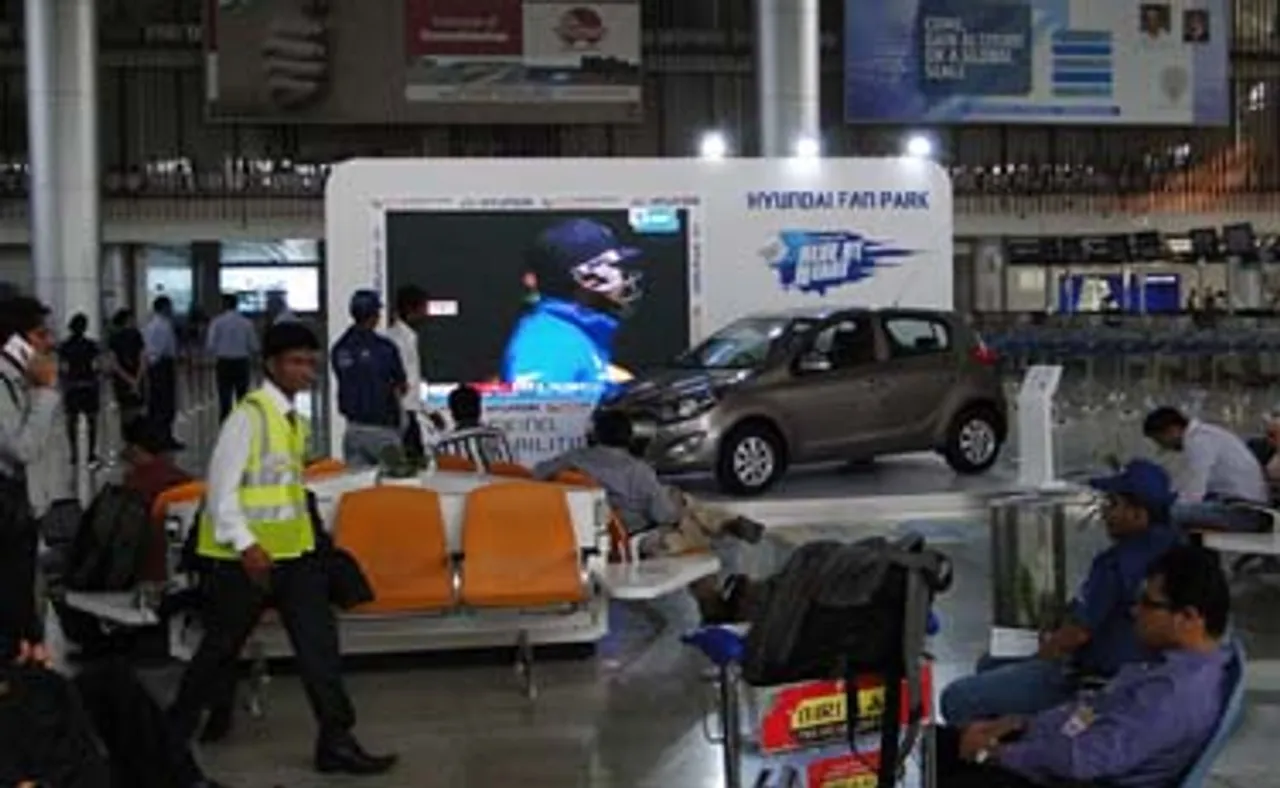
(1098, 637)
(371, 381)
(580, 272)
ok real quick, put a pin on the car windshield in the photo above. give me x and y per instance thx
(744, 344)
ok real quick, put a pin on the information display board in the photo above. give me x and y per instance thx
(1037, 61)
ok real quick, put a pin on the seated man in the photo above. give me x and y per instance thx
(1099, 638)
(672, 521)
(1150, 723)
(149, 471)
(1221, 469)
(469, 438)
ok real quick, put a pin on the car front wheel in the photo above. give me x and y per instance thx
(973, 441)
(751, 460)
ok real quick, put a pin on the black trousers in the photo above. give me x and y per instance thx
(956, 773)
(232, 375)
(142, 749)
(19, 539)
(82, 402)
(162, 392)
(300, 593)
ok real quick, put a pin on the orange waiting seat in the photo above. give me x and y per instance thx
(397, 536)
(511, 469)
(620, 549)
(520, 548)
(181, 493)
(155, 566)
(321, 468)
(452, 462)
(574, 478)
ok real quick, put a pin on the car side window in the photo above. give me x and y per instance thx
(846, 344)
(916, 336)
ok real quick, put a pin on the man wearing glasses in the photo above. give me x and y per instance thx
(1098, 638)
(1146, 727)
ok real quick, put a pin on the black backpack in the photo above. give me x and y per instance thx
(48, 737)
(842, 611)
(112, 543)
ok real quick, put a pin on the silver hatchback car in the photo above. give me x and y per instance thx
(771, 390)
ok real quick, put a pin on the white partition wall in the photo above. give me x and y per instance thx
(758, 235)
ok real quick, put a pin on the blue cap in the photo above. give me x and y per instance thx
(365, 304)
(1142, 480)
(577, 241)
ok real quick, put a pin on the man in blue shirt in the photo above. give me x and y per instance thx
(371, 381)
(579, 271)
(1150, 723)
(1098, 638)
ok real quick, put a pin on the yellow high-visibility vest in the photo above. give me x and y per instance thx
(272, 495)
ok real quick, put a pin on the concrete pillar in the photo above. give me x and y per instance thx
(78, 177)
(206, 274)
(787, 74)
(41, 64)
(115, 283)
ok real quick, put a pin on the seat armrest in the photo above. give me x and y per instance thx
(1272, 514)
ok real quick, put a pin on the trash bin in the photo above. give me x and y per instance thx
(1029, 557)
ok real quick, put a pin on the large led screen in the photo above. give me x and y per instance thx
(533, 298)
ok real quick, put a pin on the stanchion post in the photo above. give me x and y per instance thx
(731, 724)
(84, 480)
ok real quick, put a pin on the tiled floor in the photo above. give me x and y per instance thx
(631, 715)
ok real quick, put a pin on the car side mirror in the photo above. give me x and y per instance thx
(813, 362)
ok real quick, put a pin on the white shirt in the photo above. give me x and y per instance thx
(232, 336)
(226, 470)
(159, 339)
(1219, 464)
(406, 341)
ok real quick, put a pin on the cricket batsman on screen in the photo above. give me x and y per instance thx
(585, 287)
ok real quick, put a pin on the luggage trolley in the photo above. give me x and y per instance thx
(826, 761)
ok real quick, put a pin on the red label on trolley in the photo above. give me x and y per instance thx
(844, 771)
(812, 713)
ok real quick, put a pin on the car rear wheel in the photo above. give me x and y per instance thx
(973, 441)
(751, 459)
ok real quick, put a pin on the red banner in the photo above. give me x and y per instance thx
(464, 28)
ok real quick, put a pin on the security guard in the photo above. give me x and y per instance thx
(371, 381)
(257, 533)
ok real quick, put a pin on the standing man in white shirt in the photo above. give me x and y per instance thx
(233, 342)
(411, 313)
(258, 537)
(160, 351)
(1221, 470)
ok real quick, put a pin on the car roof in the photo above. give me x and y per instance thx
(825, 311)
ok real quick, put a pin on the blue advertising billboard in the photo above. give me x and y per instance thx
(1037, 61)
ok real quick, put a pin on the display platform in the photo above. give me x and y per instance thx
(886, 492)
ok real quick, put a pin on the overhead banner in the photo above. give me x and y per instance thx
(1037, 61)
(423, 61)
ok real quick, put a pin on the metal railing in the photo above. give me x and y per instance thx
(196, 426)
(1225, 369)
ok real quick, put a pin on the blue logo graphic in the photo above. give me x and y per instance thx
(655, 220)
(816, 261)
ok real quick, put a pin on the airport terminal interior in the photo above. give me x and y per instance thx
(917, 270)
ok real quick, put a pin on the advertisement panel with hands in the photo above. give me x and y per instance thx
(423, 61)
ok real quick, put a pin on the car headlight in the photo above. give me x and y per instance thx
(686, 407)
